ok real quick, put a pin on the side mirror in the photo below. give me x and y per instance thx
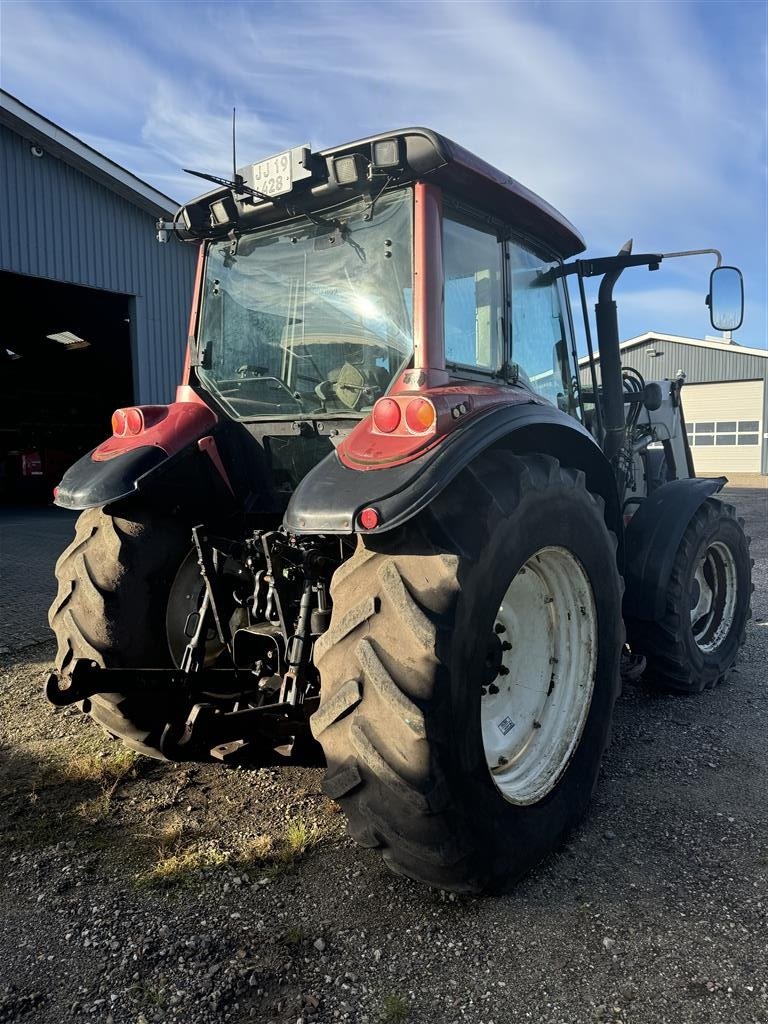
(726, 298)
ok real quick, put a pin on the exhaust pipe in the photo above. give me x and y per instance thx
(607, 321)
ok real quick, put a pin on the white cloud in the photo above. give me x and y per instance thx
(615, 133)
(625, 116)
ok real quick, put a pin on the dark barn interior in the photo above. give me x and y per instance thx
(57, 396)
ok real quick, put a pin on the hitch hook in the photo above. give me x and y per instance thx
(62, 690)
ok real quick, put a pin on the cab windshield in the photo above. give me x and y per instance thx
(311, 317)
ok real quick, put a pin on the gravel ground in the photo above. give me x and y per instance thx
(143, 893)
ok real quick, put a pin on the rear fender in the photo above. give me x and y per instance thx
(330, 498)
(652, 539)
(174, 453)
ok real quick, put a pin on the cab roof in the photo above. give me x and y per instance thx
(424, 155)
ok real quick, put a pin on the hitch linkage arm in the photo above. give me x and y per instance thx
(86, 678)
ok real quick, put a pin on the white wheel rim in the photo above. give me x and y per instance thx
(713, 597)
(533, 722)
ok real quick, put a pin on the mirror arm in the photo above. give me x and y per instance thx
(696, 252)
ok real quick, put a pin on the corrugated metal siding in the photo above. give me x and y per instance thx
(701, 365)
(59, 224)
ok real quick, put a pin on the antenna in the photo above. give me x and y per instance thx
(234, 150)
(237, 179)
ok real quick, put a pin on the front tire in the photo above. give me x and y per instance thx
(114, 580)
(697, 641)
(412, 652)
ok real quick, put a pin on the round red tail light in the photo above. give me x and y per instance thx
(386, 415)
(420, 415)
(118, 422)
(369, 518)
(134, 421)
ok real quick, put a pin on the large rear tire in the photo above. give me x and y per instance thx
(415, 647)
(114, 580)
(708, 605)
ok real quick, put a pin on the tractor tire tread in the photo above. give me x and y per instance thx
(104, 609)
(379, 749)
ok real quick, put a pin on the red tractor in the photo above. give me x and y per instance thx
(386, 515)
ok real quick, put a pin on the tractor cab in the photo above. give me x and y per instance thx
(327, 276)
(375, 298)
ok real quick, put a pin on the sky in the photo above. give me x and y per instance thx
(644, 120)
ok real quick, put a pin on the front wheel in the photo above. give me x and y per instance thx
(469, 674)
(704, 624)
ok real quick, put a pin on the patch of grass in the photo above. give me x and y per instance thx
(97, 766)
(108, 771)
(256, 851)
(47, 783)
(395, 1009)
(274, 856)
(96, 810)
(298, 838)
(182, 866)
(169, 836)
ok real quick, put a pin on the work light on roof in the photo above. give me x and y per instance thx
(386, 155)
(348, 169)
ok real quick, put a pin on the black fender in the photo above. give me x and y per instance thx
(186, 479)
(652, 539)
(88, 483)
(329, 499)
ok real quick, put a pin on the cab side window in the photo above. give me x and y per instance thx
(472, 264)
(538, 327)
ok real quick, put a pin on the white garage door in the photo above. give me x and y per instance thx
(725, 426)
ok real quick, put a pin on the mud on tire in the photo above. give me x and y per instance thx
(399, 718)
(114, 580)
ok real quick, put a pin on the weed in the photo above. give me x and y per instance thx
(152, 995)
(294, 936)
(395, 1009)
(298, 838)
(258, 850)
(182, 866)
(276, 856)
(96, 766)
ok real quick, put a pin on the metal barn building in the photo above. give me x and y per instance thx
(94, 309)
(725, 397)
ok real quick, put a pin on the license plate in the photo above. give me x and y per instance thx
(274, 176)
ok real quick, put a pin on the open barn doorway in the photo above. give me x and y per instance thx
(65, 365)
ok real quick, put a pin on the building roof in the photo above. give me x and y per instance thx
(650, 336)
(53, 139)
